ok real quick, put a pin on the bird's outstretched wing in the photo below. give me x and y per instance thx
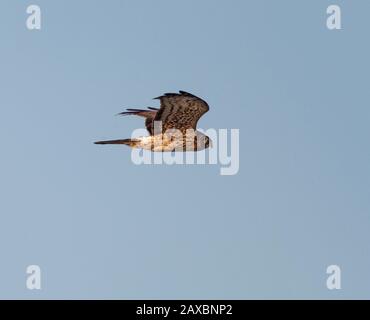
(180, 111)
(148, 114)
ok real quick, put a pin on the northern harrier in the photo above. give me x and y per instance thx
(172, 127)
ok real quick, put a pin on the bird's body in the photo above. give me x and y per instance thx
(172, 127)
(192, 141)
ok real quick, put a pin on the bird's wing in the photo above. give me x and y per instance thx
(148, 114)
(180, 111)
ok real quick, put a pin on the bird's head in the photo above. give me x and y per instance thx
(208, 142)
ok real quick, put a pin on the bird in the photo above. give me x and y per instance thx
(172, 127)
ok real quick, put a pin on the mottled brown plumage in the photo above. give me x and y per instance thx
(178, 112)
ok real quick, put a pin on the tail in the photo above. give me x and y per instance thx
(148, 113)
(128, 142)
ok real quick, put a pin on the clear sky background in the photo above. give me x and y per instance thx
(101, 227)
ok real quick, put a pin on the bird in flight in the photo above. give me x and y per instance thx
(172, 127)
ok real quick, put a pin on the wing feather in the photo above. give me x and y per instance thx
(180, 110)
(148, 114)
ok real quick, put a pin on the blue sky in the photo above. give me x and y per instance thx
(101, 227)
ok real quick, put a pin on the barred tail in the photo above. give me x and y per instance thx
(128, 142)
